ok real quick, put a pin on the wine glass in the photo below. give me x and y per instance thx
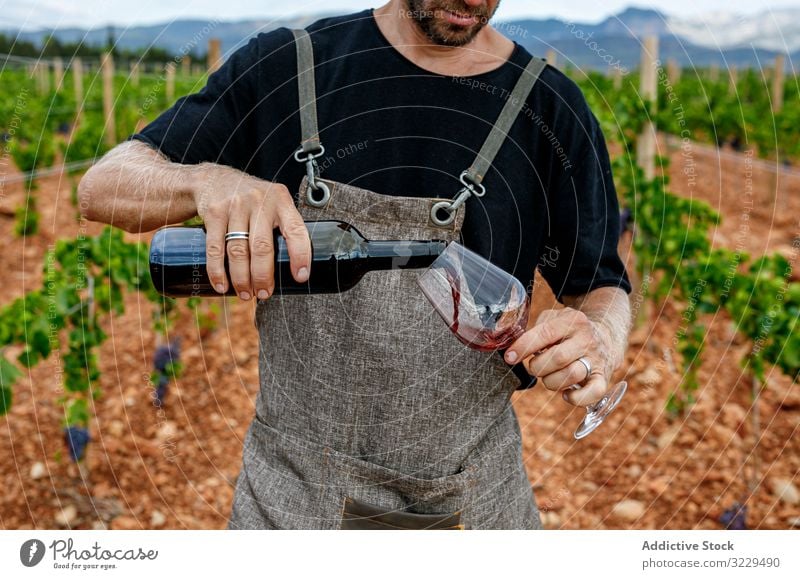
(487, 309)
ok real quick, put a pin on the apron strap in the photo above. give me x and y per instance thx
(443, 212)
(317, 193)
(307, 91)
(505, 121)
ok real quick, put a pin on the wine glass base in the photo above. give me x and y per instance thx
(596, 413)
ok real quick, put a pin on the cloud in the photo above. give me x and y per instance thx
(99, 13)
(41, 13)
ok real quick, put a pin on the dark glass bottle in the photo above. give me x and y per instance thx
(340, 258)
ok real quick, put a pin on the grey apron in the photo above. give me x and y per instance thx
(365, 395)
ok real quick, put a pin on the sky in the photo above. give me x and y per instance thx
(96, 13)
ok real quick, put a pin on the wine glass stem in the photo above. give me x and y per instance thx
(599, 405)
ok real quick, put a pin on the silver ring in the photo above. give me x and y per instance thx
(237, 235)
(320, 186)
(442, 206)
(587, 365)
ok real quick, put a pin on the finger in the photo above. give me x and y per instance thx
(558, 357)
(298, 243)
(547, 315)
(536, 339)
(574, 373)
(262, 255)
(216, 224)
(239, 250)
(593, 391)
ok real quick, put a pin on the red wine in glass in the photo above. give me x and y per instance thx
(487, 309)
(486, 327)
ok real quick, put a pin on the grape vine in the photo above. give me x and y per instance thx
(673, 247)
(84, 279)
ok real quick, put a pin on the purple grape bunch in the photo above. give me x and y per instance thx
(735, 518)
(76, 438)
(161, 388)
(165, 355)
(625, 220)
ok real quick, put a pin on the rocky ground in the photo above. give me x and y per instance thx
(643, 469)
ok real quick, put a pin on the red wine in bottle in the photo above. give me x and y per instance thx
(341, 256)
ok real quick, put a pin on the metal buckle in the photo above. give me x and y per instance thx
(469, 184)
(312, 173)
(470, 188)
(310, 156)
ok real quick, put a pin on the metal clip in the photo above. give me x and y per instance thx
(312, 173)
(450, 207)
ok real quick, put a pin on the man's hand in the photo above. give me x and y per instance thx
(138, 189)
(230, 200)
(551, 349)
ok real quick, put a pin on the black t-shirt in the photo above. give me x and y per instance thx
(394, 128)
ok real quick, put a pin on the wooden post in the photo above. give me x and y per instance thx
(777, 84)
(77, 80)
(611, 73)
(45, 72)
(186, 65)
(649, 76)
(134, 73)
(108, 99)
(197, 70)
(617, 78)
(58, 73)
(752, 463)
(646, 148)
(673, 71)
(777, 77)
(34, 73)
(42, 72)
(777, 104)
(551, 57)
(170, 73)
(733, 75)
(713, 72)
(214, 54)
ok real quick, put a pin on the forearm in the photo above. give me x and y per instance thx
(609, 307)
(136, 188)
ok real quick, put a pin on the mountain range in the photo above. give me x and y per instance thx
(723, 39)
(718, 39)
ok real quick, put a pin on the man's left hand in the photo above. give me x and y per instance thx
(551, 350)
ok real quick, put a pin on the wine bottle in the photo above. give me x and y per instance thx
(341, 256)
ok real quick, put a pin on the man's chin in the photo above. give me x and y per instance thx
(446, 35)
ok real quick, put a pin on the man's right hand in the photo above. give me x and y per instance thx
(229, 200)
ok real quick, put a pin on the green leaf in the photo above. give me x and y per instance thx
(77, 413)
(40, 343)
(29, 357)
(5, 400)
(8, 375)
(790, 357)
(173, 369)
